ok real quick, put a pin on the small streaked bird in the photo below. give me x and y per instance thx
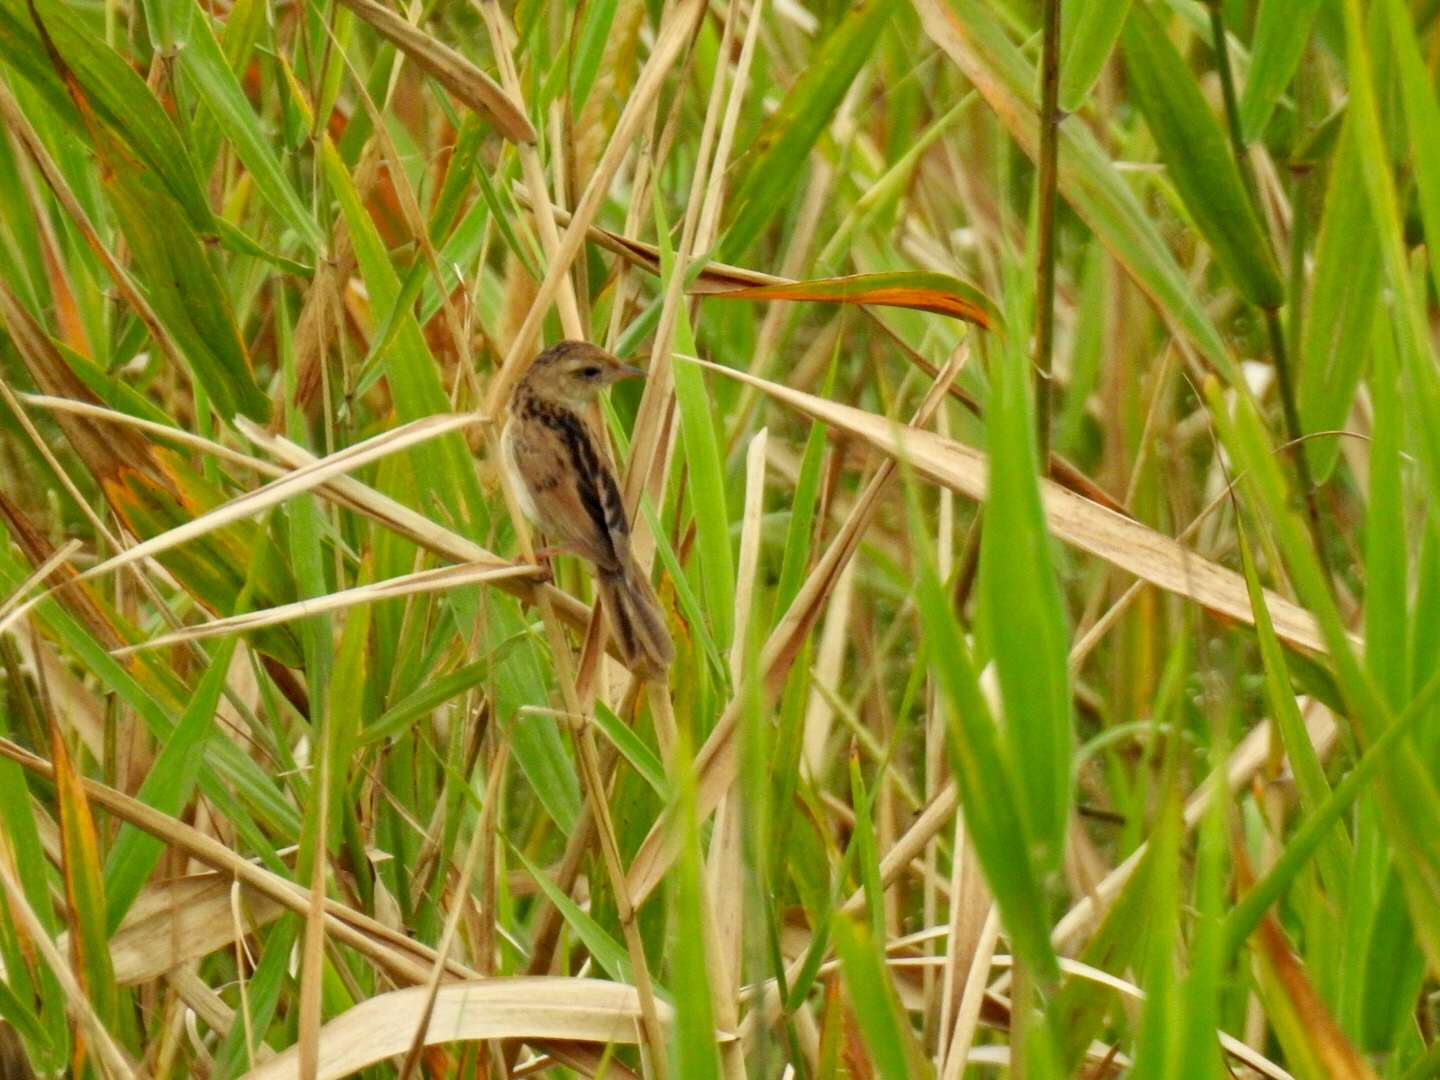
(565, 485)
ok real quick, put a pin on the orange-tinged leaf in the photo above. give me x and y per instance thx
(105, 449)
(921, 290)
(1311, 1019)
(84, 891)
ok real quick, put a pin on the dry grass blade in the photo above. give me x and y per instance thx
(1119, 540)
(287, 487)
(174, 922)
(439, 580)
(525, 1007)
(451, 70)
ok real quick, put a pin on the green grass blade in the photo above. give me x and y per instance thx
(1281, 29)
(167, 787)
(1345, 294)
(1198, 159)
(1025, 621)
(778, 154)
(881, 1019)
(1089, 30)
(989, 790)
(204, 64)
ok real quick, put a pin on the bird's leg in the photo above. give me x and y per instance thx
(543, 555)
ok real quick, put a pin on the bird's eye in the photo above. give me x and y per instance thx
(590, 371)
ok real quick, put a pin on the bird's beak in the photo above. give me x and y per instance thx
(626, 371)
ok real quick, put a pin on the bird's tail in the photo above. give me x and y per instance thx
(637, 622)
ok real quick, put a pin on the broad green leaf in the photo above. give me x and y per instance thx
(116, 95)
(990, 790)
(1025, 615)
(1281, 29)
(1394, 970)
(1341, 311)
(687, 953)
(181, 285)
(1157, 1042)
(185, 292)
(22, 1018)
(1198, 159)
(778, 153)
(878, 1011)
(708, 499)
(641, 758)
(598, 17)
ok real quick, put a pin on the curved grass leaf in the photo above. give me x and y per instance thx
(921, 290)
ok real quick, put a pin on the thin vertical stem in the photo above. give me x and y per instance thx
(1232, 104)
(1045, 272)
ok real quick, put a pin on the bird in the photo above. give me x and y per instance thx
(565, 484)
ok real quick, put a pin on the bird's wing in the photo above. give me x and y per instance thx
(571, 486)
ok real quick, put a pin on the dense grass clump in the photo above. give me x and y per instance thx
(1035, 465)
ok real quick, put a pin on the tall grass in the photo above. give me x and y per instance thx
(1056, 595)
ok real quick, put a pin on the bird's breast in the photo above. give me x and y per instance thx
(518, 483)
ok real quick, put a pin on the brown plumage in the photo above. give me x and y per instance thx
(565, 485)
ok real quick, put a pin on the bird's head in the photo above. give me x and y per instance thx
(573, 372)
